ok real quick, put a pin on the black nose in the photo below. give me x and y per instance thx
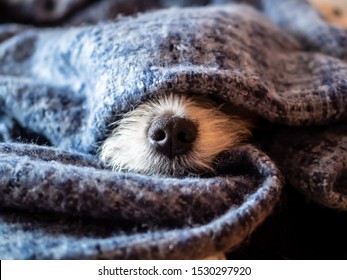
(172, 136)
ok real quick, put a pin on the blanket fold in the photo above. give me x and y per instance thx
(179, 214)
(61, 88)
(314, 161)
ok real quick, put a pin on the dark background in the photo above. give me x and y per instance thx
(298, 229)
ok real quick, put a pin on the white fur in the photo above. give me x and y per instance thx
(128, 148)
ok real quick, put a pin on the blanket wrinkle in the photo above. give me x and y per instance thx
(320, 167)
(61, 87)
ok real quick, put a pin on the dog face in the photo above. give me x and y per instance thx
(172, 136)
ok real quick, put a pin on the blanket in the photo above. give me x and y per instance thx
(61, 87)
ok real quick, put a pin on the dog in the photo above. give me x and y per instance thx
(334, 11)
(174, 135)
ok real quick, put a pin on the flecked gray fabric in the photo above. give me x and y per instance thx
(315, 161)
(139, 217)
(64, 86)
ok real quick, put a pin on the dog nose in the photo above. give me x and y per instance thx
(172, 136)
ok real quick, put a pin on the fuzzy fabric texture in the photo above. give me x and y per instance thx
(64, 87)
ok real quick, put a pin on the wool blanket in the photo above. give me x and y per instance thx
(70, 70)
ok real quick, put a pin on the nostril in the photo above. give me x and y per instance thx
(182, 136)
(186, 137)
(158, 135)
(186, 131)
